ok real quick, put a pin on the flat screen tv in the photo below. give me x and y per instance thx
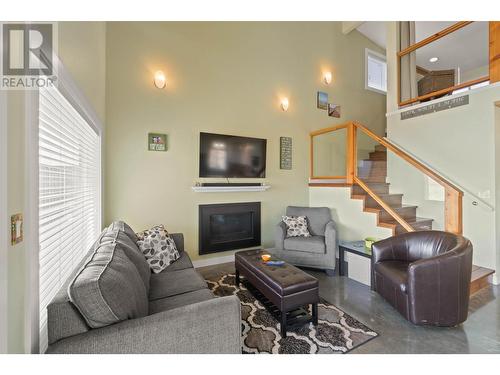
(230, 156)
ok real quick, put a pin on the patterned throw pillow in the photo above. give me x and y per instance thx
(158, 248)
(296, 226)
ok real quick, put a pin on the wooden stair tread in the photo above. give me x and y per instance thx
(480, 272)
(416, 221)
(404, 206)
(479, 278)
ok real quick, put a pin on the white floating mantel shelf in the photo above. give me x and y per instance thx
(228, 189)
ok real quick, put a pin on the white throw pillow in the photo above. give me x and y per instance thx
(296, 226)
(158, 248)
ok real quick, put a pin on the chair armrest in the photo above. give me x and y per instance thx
(439, 285)
(179, 241)
(212, 326)
(331, 238)
(392, 248)
(279, 235)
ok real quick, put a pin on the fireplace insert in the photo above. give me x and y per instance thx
(228, 226)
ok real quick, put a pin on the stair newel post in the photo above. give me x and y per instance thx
(453, 210)
(351, 153)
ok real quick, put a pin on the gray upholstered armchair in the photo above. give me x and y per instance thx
(317, 251)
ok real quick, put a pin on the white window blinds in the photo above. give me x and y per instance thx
(69, 194)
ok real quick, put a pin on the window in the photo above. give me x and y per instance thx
(375, 71)
(68, 194)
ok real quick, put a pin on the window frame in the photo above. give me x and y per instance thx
(369, 52)
(70, 90)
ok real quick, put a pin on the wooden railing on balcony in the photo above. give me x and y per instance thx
(453, 195)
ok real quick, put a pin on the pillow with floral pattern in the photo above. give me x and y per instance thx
(296, 226)
(158, 248)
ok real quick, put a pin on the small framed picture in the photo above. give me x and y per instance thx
(333, 110)
(157, 142)
(322, 100)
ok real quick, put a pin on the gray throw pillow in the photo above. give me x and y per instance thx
(296, 226)
(158, 248)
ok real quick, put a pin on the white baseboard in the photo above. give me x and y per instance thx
(494, 279)
(212, 261)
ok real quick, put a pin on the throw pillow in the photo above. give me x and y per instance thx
(296, 226)
(158, 248)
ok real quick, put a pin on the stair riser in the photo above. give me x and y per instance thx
(378, 155)
(374, 179)
(407, 213)
(378, 172)
(400, 230)
(380, 148)
(376, 188)
(391, 200)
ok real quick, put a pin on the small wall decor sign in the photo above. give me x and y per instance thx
(333, 110)
(436, 107)
(322, 100)
(285, 153)
(157, 142)
(16, 229)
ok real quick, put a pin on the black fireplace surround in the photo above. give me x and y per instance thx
(228, 226)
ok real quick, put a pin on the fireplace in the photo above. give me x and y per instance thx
(228, 226)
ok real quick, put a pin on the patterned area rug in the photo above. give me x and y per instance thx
(336, 332)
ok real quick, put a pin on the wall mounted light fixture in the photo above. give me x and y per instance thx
(327, 78)
(284, 104)
(160, 79)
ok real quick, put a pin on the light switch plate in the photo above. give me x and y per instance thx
(16, 229)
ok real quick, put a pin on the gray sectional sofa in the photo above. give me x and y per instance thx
(114, 304)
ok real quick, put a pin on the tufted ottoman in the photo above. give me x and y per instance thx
(284, 290)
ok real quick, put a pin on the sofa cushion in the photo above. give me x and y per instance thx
(182, 263)
(317, 217)
(179, 300)
(125, 228)
(130, 248)
(394, 271)
(108, 288)
(166, 284)
(313, 244)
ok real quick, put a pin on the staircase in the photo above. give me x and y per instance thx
(373, 172)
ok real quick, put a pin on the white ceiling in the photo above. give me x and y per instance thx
(466, 48)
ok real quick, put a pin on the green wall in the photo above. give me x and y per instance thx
(224, 77)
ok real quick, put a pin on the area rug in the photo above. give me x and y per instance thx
(336, 332)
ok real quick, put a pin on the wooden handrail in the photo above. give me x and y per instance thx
(384, 205)
(453, 195)
(444, 91)
(433, 37)
(421, 167)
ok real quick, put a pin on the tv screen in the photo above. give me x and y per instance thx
(230, 156)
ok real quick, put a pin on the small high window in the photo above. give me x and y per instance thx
(375, 71)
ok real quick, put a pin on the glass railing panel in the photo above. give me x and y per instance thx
(329, 154)
(404, 189)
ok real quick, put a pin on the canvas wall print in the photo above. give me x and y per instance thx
(157, 142)
(285, 153)
(322, 100)
(333, 110)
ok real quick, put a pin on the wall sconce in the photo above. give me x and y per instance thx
(284, 104)
(327, 78)
(160, 79)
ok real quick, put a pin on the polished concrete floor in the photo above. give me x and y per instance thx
(479, 334)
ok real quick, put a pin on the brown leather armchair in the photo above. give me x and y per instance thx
(425, 276)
